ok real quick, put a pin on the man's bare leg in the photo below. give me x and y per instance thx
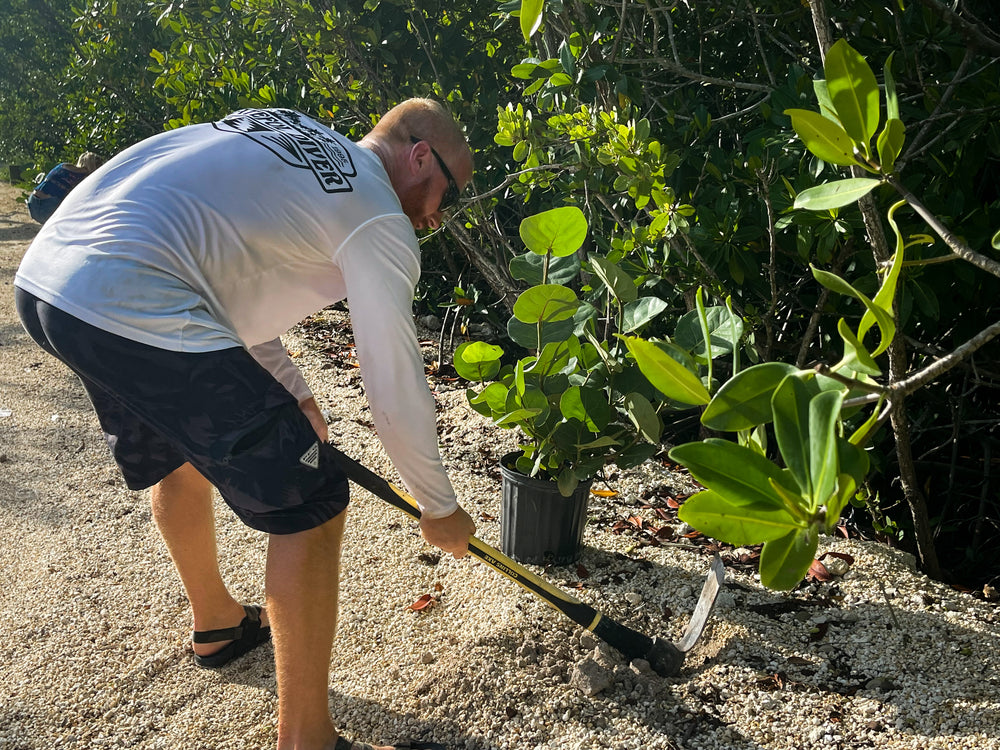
(303, 577)
(182, 509)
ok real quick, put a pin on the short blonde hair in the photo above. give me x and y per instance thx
(89, 161)
(425, 119)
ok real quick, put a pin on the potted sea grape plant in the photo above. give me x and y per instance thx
(583, 394)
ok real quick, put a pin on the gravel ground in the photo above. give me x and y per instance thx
(94, 625)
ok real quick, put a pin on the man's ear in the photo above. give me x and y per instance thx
(419, 156)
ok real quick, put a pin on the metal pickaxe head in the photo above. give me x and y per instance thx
(664, 657)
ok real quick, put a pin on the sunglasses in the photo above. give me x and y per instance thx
(450, 197)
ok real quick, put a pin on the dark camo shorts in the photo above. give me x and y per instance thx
(220, 411)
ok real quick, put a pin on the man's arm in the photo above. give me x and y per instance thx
(311, 409)
(380, 270)
(273, 357)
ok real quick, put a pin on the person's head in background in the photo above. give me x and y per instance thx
(89, 161)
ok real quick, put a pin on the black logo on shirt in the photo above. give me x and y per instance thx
(298, 142)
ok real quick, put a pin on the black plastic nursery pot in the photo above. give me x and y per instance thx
(537, 524)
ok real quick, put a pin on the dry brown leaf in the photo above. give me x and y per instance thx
(840, 555)
(818, 572)
(425, 602)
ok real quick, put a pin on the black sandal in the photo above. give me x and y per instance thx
(245, 637)
(343, 744)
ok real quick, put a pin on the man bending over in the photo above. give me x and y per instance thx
(164, 282)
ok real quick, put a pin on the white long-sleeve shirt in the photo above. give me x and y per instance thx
(229, 233)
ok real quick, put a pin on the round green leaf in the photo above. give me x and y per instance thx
(588, 405)
(525, 410)
(567, 482)
(546, 303)
(479, 403)
(641, 311)
(477, 360)
(559, 231)
(493, 396)
(530, 267)
(527, 334)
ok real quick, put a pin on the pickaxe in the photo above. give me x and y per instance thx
(664, 657)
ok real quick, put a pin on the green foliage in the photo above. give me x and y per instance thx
(115, 71)
(675, 135)
(750, 499)
(824, 468)
(834, 194)
(744, 401)
(581, 398)
(669, 376)
(531, 17)
(558, 232)
(854, 92)
(34, 48)
(825, 137)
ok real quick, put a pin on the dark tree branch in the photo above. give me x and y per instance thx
(974, 35)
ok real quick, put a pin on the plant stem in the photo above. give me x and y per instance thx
(897, 358)
(939, 367)
(892, 612)
(821, 25)
(957, 246)
(911, 491)
(905, 386)
(765, 177)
